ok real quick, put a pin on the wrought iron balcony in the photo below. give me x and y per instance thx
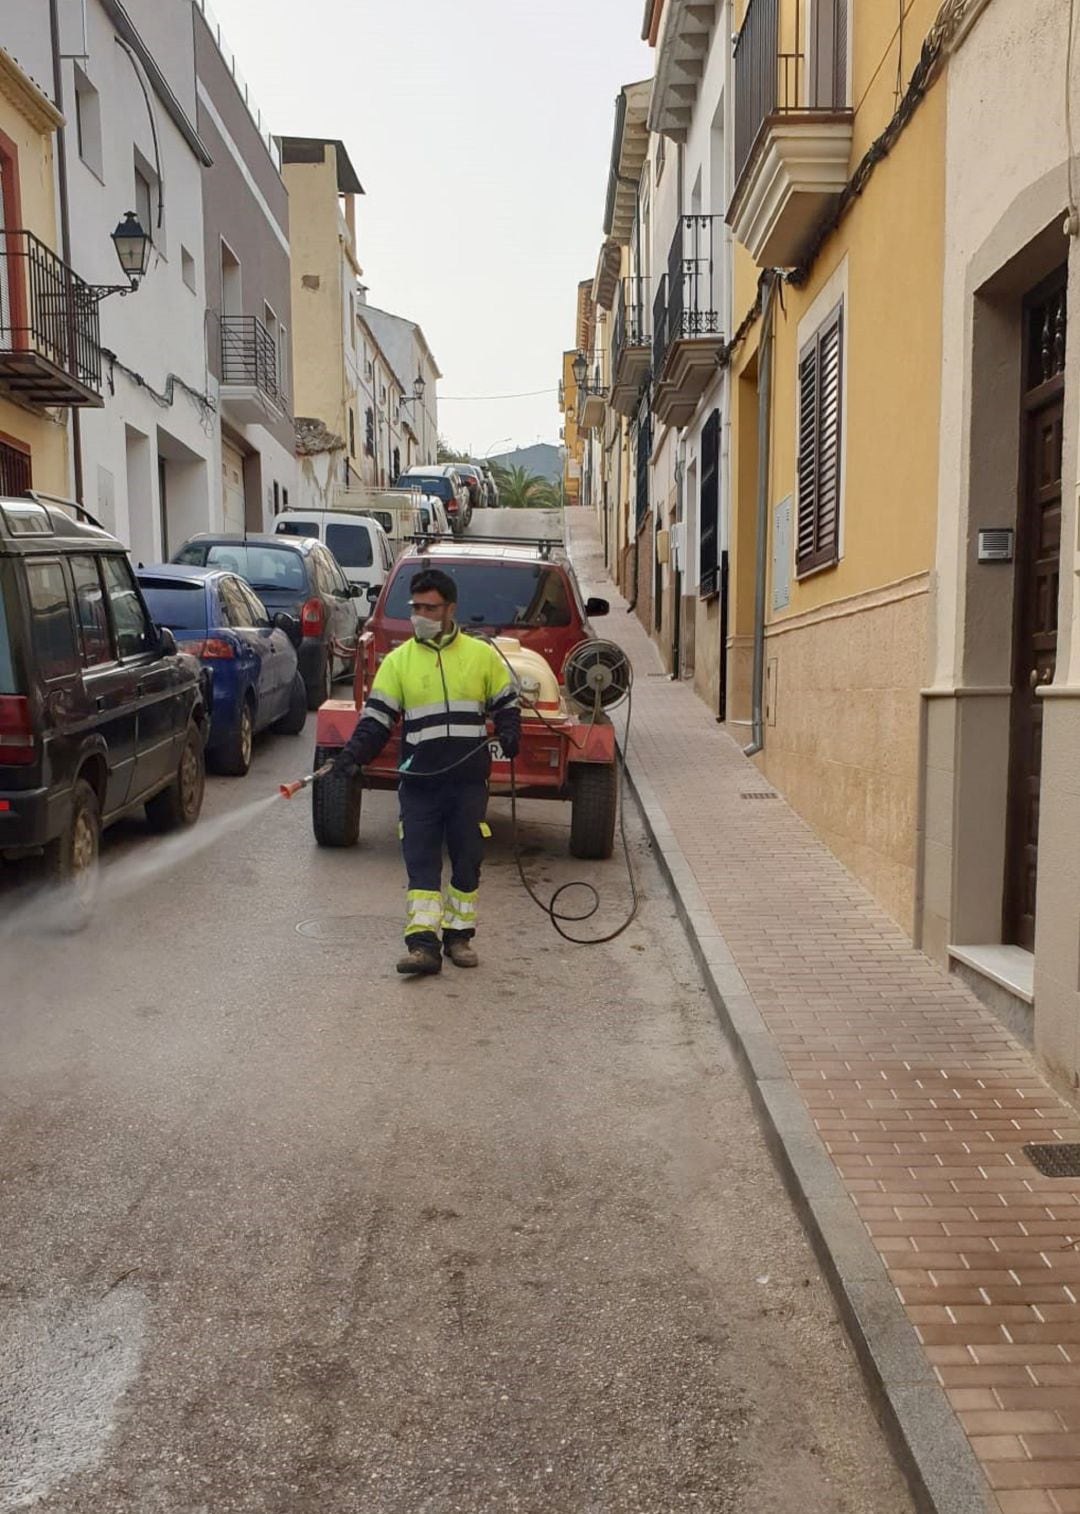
(50, 347)
(592, 396)
(250, 371)
(629, 345)
(686, 320)
(793, 126)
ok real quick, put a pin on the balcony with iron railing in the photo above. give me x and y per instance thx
(687, 336)
(592, 394)
(793, 125)
(50, 346)
(251, 384)
(630, 344)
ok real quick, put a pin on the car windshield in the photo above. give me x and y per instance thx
(180, 606)
(262, 564)
(495, 594)
(436, 484)
(7, 668)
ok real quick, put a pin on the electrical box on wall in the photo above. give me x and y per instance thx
(996, 544)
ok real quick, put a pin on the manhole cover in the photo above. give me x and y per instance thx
(345, 927)
(1058, 1161)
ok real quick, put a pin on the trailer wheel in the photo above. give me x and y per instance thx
(335, 805)
(594, 805)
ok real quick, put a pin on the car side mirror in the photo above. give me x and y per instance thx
(282, 621)
(372, 593)
(355, 591)
(597, 607)
(166, 642)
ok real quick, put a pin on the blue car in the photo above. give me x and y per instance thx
(256, 682)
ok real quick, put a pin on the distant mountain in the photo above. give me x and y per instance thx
(543, 459)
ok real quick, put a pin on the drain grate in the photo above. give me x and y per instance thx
(759, 794)
(1058, 1161)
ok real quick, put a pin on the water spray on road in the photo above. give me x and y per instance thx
(54, 910)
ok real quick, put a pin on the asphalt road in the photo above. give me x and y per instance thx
(283, 1233)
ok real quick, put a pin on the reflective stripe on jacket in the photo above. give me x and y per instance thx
(444, 695)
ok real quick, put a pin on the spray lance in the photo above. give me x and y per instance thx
(287, 790)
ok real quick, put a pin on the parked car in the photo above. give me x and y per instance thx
(99, 711)
(296, 574)
(256, 682)
(447, 483)
(360, 545)
(491, 488)
(474, 482)
(433, 517)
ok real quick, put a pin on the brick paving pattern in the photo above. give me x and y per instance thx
(923, 1100)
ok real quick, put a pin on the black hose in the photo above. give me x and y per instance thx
(549, 906)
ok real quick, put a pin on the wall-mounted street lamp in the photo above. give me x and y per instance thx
(579, 368)
(132, 245)
(418, 388)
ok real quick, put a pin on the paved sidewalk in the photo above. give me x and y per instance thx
(891, 1094)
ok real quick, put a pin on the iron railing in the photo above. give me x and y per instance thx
(47, 310)
(687, 301)
(630, 327)
(782, 68)
(249, 356)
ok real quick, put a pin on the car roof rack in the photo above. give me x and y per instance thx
(545, 545)
(80, 511)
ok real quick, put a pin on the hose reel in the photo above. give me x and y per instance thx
(597, 673)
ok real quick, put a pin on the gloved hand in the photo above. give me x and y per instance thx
(344, 765)
(510, 741)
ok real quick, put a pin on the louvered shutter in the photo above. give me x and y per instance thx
(840, 90)
(820, 439)
(709, 506)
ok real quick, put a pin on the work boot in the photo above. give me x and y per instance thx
(421, 960)
(461, 953)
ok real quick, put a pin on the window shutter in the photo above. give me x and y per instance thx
(840, 90)
(820, 440)
(709, 505)
(807, 463)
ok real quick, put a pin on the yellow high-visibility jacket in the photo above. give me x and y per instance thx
(444, 693)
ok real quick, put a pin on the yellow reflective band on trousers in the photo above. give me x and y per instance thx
(460, 910)
(423, 911)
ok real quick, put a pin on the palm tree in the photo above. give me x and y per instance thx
(521, 490)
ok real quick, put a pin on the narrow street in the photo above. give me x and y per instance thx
(293, 1234)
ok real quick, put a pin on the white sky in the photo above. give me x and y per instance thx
(481, 132)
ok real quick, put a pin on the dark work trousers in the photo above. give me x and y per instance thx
(434, 812)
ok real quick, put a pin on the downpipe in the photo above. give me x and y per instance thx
(765, 354)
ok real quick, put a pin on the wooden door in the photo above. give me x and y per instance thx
(1038, 572)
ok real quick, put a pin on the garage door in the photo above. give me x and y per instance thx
(232, 469)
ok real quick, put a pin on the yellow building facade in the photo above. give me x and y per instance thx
(835, 401)
(33, 440)
(573, 445)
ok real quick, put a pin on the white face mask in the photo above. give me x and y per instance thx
(426, 629)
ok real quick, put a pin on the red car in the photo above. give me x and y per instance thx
(525, 594)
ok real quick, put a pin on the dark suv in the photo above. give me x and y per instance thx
(99, 712)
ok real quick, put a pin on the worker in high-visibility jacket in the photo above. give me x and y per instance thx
(444, 685)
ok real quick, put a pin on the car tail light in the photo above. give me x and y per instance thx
(214, 646)
(311, 618)
(16, 732)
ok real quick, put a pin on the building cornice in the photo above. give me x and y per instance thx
(629, 149)
(681, 50)
(17, 86)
